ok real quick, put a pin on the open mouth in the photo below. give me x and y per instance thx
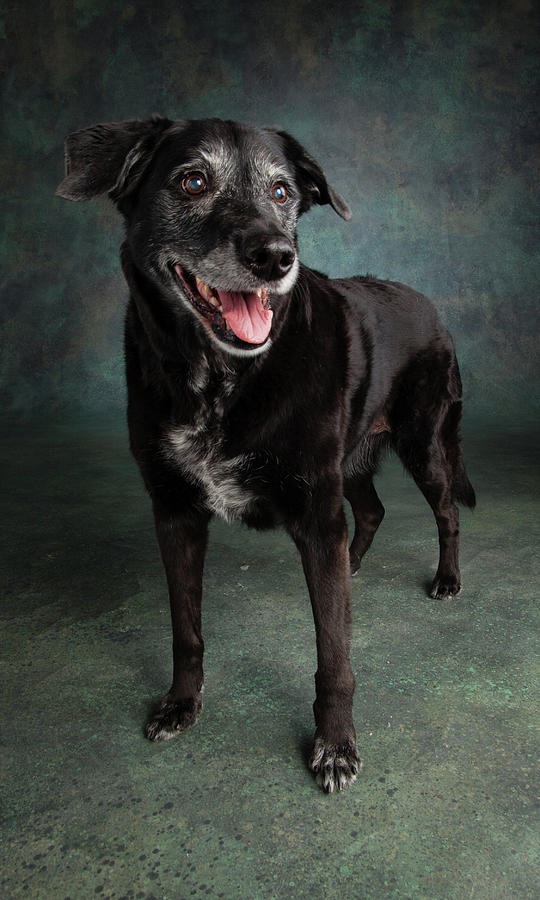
(235, 317)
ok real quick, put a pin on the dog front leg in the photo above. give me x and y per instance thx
(182, 541)
(325, 558)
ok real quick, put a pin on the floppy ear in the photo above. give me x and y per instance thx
(311, 178)
(109, 158)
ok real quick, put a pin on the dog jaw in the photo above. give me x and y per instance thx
(240, 321)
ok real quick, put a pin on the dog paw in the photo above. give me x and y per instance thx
(444, 587)
(335, 766)
(172, 717)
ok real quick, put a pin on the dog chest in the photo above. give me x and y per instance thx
(197, 449)
(199, 455)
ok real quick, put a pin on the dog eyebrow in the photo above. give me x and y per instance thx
(260, 163)
(206, 159)
(263, 163)
(226, 162)
(190, 165)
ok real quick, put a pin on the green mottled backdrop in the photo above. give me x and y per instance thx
(422, 114)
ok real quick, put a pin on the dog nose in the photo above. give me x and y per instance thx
(269, 256)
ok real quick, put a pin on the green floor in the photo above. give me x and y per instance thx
(445, 704)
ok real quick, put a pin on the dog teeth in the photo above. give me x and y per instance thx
(262, 294)
(204, 290)
(208, 294)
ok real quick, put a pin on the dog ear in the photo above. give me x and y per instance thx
(109, 158)
(311, 178)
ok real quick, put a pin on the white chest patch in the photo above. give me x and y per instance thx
(198, 451)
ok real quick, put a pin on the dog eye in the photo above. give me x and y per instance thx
(279, 193)
(194, 183)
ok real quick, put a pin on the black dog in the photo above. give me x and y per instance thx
(263, 391)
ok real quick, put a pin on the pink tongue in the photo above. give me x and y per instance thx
(246, 315)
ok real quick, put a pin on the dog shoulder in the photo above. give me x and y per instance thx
(385, 302)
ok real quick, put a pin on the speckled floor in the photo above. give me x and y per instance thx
(446, 701)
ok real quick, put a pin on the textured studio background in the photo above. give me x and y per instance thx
(421, 113)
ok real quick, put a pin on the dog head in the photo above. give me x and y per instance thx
(211, 209)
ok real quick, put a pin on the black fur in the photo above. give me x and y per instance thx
(274, 430)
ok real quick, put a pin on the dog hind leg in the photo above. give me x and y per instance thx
(368, 514)
(431, 452)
